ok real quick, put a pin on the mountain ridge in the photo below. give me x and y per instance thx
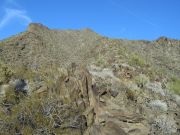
(82, 45)
(81, 83)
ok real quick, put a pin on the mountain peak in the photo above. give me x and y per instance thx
(36, 27)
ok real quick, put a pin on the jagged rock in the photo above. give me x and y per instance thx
(35, 27)
(163, 41)
(112, 128)
(90, 117)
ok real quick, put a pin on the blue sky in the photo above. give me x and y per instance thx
(130, 19)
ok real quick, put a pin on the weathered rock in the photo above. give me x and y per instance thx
(114, 93)
(112, 128)
(36, 27)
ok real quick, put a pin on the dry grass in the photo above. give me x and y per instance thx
(32, 114)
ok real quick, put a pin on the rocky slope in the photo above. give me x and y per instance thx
(76, 82)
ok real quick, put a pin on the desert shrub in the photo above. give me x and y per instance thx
(101, 62)
(11, 98)
(152, 73)
(158, 105)
(141, 80)
(174, 85)
(130, 95)
(103, 85)
(1, 44)
(137, 60)
(45, 115)
(165, 124)
(122, 51)
(5, 73)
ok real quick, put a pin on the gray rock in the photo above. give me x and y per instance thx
(20, 85)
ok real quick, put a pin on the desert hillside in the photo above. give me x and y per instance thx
(77, 82)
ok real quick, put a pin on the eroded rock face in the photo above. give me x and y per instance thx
(103, 116)
(76, 86)
(139, 115)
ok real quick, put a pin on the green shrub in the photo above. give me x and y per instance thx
(5, 73)
(101, 62)
(141, 80)
(155, 73)
(137, 60)
(174, 85)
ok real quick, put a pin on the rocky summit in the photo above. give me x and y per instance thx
(77, 82)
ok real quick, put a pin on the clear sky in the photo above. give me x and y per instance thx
(130, 19)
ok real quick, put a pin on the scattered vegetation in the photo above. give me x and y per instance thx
(155, 73)
(22, 71)
(174, 85)
(24, 114)
(137, 60)
(34, 115)
(56, 105)
(101, 61)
